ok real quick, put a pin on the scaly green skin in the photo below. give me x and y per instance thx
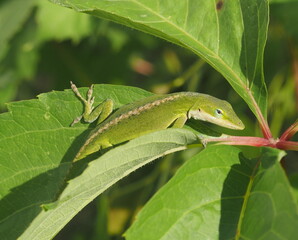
(151, 114)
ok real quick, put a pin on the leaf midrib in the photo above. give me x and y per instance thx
(245, 199)
(208, 51)
(196, 40)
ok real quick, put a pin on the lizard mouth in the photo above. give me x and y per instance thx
(237, 126)
(203, 116)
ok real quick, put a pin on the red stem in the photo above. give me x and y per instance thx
(287, 145)
(263, 122)
(239, 140)
(254, 141)
(290, 132)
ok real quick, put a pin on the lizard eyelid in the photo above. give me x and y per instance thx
(219, 111)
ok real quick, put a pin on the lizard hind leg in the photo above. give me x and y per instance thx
(91, 148)
(101, 112)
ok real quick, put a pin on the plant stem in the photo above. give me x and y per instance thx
(252, 141)
(239, 140)
(290, 132)
(263, 122)
(287, 145)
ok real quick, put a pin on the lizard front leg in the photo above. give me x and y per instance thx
(179, 122)
(101, 112)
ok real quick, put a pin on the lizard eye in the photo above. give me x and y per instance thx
(218, 112)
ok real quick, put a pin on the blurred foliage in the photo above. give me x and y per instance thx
(44, 46)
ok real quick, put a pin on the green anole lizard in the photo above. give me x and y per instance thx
(147, 115)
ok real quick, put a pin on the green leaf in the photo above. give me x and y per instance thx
(103, 173)
(229, 35)
(293, 178)
(13, 13)
(57, 23)
(8, 87)
(37, 147)
(220, 194)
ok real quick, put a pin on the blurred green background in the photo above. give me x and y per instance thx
(44, 46)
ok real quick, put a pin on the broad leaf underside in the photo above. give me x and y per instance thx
(229, 35)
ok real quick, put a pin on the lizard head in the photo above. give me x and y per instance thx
(216, 111)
